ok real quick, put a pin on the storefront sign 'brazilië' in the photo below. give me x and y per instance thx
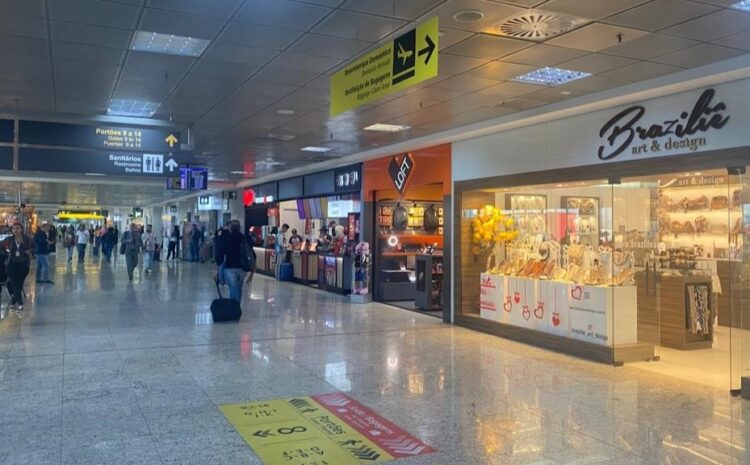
(685, 132)
(400, 171)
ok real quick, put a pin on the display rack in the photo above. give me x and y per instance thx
(529, 212)
(675, 325)
(582, 218)
(429, 295)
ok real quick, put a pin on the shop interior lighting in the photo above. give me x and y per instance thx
(316, 149)
(238, 172)
(170, 44)
(744, 5)
(550, 76)
(135, 108)
(386, 127)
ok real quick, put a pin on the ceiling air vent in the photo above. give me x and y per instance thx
(538, 25)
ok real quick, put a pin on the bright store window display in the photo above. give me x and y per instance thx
(645, 268)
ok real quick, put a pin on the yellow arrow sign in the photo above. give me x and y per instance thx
(405, 61)
(171, 140)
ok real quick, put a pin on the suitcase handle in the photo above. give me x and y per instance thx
(218, 289)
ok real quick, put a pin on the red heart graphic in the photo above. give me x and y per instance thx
(526, 313)
(517, 297)
(577, 292)
(556, 319)
(508, 305)
(539, 310)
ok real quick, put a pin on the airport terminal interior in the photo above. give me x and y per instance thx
(343, 232)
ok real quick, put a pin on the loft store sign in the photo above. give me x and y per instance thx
(627, 130)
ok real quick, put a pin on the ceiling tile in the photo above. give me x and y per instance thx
(591, 9)
(23, 26)
(699, 55)
(596, 63)
(327, 46)
(239, 54)
(596, 36)
(91, 35)
(16, 45)
(649, 46)
(465, 83)
(451, 65)
(710, 27)
(487, 46)
(510, 90)
(282, 13)
(642, 71)
(543, 55)
(78, 52)
(660, 14)
(526, 3)
(276, 73)
(30, 8)
(593, 84)
(405, 9)
(214, 8)
(448, 37)
(256, 35)
(493, 13)
(357, 26)
(169, 22)
(501, 71)
(302, 62)
(98, 13)
(739, 41)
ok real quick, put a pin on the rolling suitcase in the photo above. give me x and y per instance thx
(286, 272)
(225, 309)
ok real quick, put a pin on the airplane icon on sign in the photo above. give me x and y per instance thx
(404, 55)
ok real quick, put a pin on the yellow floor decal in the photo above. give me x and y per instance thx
(329, 429)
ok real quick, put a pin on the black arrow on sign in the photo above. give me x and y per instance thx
(428, 50)
(263, 433)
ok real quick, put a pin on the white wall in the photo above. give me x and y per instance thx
(574, 141)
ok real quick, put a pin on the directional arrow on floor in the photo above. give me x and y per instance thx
(263, 433)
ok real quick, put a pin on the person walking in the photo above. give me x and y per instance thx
(69, 241)
(131, 247)
(174, 240)
(53, 238)
(97, 241)
(195, 243)
(109, 243)
(18, 248)
(82, 240)
(42, 245)
(281, 248)
(149, 245)
(229, 255)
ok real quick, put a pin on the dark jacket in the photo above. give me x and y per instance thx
(41, 244)
(229, 249)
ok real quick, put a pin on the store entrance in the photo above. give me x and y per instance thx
(684, 234)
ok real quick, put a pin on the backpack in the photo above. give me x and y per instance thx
(248, 258)
(430, 220)
(400, 219)
(68, 239)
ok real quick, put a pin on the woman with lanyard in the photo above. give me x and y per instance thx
(18, 248)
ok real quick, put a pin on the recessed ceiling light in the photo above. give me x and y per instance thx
(386, 127)
(285, 111)
(549, 76)
(316, 149)
(565, 92)
(744, 5)
(468, 16)
(127, 107)
(170, 44)
(95, 174)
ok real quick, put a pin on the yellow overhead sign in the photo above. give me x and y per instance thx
(407, 60)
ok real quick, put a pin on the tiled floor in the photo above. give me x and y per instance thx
(100, 371)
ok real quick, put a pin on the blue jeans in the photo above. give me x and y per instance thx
(194, 251)
(70, 252)
(148, 259)
(81, 252)
(42, 268)
(234, 278)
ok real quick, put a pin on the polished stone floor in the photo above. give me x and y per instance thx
(100, 371)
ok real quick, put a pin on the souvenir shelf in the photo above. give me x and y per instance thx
(582, 218)
(529, 212)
